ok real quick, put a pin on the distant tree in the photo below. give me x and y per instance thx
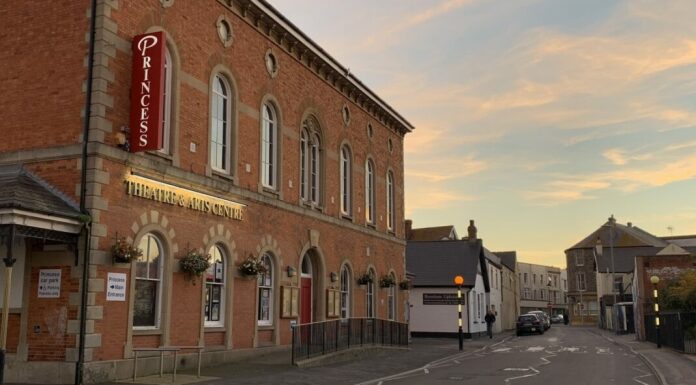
(680, 293)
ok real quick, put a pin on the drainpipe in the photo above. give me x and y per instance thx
(79, 368)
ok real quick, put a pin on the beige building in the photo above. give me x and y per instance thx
(541, 287)
(509, 293)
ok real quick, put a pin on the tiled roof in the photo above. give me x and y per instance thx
(432, 233)
(436, 263)
(507, 258)
(622, 236)
(21, 189)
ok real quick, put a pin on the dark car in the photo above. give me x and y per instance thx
(530, 323)
(545, 319)
(557, 319)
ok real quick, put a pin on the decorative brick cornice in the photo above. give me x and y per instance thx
(267, 20)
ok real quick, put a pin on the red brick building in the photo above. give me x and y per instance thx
(272, 151)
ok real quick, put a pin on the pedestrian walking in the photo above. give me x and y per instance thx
(490, 318)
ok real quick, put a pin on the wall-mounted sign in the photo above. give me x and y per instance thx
(116, 287)
(147, 90)
(176, 196)
(49, 283)
(441, 299)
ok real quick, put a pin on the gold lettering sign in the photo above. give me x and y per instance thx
(176, 196)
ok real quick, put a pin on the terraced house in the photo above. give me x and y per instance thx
(212, 128)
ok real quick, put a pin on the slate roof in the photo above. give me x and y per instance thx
(624, 258)
(492, 257)
(432, 233)
(507, 258)
(21, 189)
(623, 236)
(436, 263)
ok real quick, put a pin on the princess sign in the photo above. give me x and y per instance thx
(147, 90)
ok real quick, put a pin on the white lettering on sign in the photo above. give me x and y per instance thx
(116, 287)
(49, 283)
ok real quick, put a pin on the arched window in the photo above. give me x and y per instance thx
(390, 201)
(269, 146)
(370, 295)
(310, 162)
(148, 283)
(265, 283)
(370, 191)
(345, 291)
(346, 185)
(391, 299)
(220, 121)
(215, 288)
(167, 104)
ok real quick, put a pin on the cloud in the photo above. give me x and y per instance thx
(431, 199)
(616, 156)
(568, 189)
(443, 168)
(396, 28)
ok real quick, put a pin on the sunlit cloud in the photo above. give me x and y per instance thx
(433, 199)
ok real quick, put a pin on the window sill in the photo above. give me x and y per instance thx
(347, 217)
(269, 191)
(372, 225)
(214, 329)
(266, 327)
(146, 332)
(161, 155)
(223, 175)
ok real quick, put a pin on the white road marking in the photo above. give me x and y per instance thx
(500, 350)
(535, 348)
(516, 369)
(636, 378)
(603, 350)
(426, 371)
(553, 339)
(457, 362)
(507, 380)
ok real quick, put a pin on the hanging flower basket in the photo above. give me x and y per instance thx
(364, 279)
(386, 281)
(124, 252)
(195, 263)
(251, 267)
(405, 284)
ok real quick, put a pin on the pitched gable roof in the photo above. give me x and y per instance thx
(436, 263)
(507, 258)
(21, 189)
(622, 236)
(437, 233)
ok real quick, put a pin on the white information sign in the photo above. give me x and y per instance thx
(116, 287)
(49, 283)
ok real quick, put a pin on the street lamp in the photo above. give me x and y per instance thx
(459, 281)
(655, 280)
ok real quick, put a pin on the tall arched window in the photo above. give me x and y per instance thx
(345, 291)
(346, 185)
(220, 121)
(215, 288)
(269, 146)
(265, 283)
(390, 201)
(167, 104)
(370, 295)
(391, 299)
(310, 162)
(148, 283)
(369, 191)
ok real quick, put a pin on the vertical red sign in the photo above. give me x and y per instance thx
(147, 88)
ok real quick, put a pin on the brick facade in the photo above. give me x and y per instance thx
(44, 109)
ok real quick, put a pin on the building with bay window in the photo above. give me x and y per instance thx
(260, 152)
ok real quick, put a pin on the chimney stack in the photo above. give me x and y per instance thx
(409, 227)
(630, 224)
(472, 231)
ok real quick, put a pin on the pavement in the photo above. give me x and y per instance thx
(670, 366)
(350, 367)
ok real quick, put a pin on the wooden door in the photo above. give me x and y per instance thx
(306, 300)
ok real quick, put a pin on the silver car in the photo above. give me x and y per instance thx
(543, 316)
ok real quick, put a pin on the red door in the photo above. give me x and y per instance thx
(306, 300)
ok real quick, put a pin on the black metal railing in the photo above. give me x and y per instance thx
(319, 338)
(675, 328)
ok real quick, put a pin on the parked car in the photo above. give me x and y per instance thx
(545, 318)
(557, 319)
(530, 323)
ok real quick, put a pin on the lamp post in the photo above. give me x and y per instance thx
(655, 280)
(459, 281)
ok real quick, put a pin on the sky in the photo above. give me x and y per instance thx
(538, 119)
